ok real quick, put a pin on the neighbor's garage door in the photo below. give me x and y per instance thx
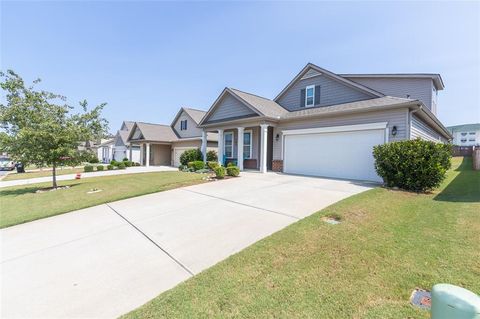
(335, 153)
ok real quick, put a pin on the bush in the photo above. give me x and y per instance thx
(191, 156)
(413, 165)
(233, 171)
(220, 172)
(110, 167)
(125, 159)
(135, 164)
(212, 156)
(230, 164)
(121, 166)
(114, 162)
(212, 165)
(100, 168)
(88, 168)
(181, 168)
(196, 165)
(128, 163)
(202, 171)
(94, 160)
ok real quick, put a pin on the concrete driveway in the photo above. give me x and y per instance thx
(107, 260)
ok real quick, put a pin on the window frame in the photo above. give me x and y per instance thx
(225, 144)
(313, 95)
(183, 125)
(251, 144)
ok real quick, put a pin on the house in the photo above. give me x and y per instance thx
(122, 148)
(105, 150)
(163, 144)
(325, 124)
(466, 134)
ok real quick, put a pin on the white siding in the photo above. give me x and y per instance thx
(396, 118)
(420, 129)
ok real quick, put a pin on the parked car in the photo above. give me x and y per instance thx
(6, 164)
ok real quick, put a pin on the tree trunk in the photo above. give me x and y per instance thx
(54, 175)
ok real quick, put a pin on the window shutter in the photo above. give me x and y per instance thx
(317, 95)
(302, 98)
(185, 125)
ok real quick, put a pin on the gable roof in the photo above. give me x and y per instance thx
(128, 124)
(436, 78)
(331, 75)
(195, 114)
(154, 132)
(464, 127)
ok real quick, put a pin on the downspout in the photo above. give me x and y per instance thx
(410, 113)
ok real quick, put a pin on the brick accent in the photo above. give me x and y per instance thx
(277, 165)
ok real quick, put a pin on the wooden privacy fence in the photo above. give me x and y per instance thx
(476, 159)
(462, 150)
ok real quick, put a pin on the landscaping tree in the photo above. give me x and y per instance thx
(38, 127)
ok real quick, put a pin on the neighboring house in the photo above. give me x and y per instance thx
(105, 150)
(163, 144)
(466, 134)
(122, 148)
(325, 124)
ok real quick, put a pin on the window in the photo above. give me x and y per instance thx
(183, 125)
(464, 133)
(472, 133)
(247, 144)
(310, 95)
(471, 139)
(228, 144)
(464, 140)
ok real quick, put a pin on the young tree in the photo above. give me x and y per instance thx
(38, 127)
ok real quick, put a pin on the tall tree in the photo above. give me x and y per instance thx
(40, 128)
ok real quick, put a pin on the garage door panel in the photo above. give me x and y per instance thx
(339, 155)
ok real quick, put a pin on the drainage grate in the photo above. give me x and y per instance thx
(421, 298)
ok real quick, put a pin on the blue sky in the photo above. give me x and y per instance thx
(146, 59)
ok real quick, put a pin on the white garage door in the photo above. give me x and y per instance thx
(340, 152)
(177, 152)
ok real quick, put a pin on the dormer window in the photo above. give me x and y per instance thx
(310, 96)
(183, 125)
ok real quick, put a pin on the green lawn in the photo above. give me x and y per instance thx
(21, 204)
(32, 174)
(366, 267)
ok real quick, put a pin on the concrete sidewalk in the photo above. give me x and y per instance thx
(129, 170)
(104, 261)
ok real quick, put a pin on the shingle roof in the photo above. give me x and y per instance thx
(464, 127)
(157, 132)
(195, 114)
(124, 135)
(346, 107)
(129, 124)
(265, 106)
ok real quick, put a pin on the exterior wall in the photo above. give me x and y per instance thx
(419, 89)
(397, 117)
(192, 129)
(420, 129)
(458, 137)
(160, 154)
(120, 152)
(230, 107)
(331, 92)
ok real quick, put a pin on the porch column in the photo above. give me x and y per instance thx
(141, 154)
(220, 147)
(130, 152)
(147, 155)
(204, 146)
(240, 148)
(263, 147)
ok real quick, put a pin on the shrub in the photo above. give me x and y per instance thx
(100, 168)
(202, 171)
(196, 165)
(212, 156)
(114, 162)
(220, 172)
(212, 165)
(128, 163)
(136, 164)
(191, 156)
(233, 171)
(121, 166)
(88, 168)
(413, 165)
(110, 167)
(94, 160)
(125, 159)
(230, 164)
(181, 167)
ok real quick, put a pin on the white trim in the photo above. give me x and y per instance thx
(251, 142)
(313, 96)
(225, 145)
(344, 128)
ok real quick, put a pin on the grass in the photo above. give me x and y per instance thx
(21, 204)
(44, 173)
(389, 242)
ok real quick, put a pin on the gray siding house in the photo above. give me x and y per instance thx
(324, 124)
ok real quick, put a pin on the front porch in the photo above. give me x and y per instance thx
(155, 154)
(253, 143)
